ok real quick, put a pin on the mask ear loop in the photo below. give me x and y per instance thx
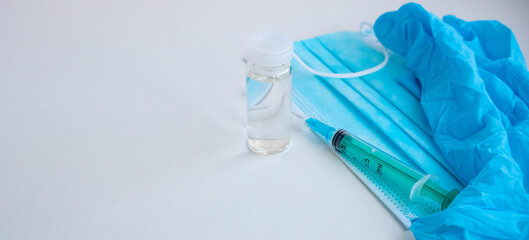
(345, 75)
(365, 28)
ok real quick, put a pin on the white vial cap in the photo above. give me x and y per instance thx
(268, 49)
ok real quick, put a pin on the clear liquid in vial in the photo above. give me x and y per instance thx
(268, 101)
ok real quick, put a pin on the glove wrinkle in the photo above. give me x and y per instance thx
(474, 92)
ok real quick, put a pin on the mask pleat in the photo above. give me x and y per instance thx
(315, 95)
(339, 102)
(369, 107)
(411, 138)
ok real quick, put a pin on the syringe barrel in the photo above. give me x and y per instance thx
(390, 169)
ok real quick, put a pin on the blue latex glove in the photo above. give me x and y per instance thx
(504, 73)
(475, 93)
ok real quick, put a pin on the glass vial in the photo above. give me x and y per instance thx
(268, 87)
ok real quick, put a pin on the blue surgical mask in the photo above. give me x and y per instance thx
(374, 107)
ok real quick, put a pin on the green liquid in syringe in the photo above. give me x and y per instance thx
(400, 176)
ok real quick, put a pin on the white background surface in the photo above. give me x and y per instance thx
(126, 120)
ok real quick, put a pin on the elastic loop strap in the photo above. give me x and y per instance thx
(345, 75)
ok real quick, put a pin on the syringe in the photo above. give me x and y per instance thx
(390, 169)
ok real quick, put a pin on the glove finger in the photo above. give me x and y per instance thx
(466, 31)
(516, 119)
(496, 50)
(514, 74)
(496, 40)
(505, 99)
